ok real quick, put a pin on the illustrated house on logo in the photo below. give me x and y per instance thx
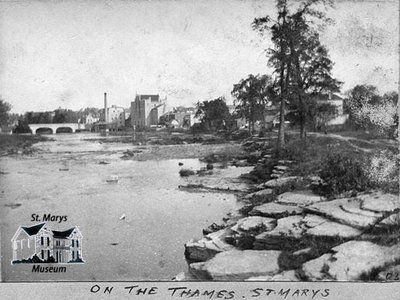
(47, 245)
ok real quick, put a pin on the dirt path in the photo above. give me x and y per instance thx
(374, 144)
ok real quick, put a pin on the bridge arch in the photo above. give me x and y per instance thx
(44, 130)
(64, 129)
(56, 127)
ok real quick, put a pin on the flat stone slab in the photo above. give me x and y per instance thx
(347, 211)
(379, 202)
(275, 183)
(222, 179)
(289, 275)
(314, 178)
(275, 210)
(350, 260)
(283, 162)
(281, 168)
(238, 265)
(391, 220)
(332, 229)
(254, 223)
(301, 198)
(241, 163)
(275, 176)
(278, 172)
(266, 194)
(285, 227)
(208, 246)
(295, 227)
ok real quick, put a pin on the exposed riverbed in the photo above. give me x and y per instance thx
(133, 229)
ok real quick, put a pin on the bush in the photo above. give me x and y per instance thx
(22, 127)
(342, 173)
(382, 169)
(240, 135)
(198, 128)
(295, 149)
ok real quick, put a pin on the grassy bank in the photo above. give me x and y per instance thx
(349, 163)
(314, 234)
(18, 144)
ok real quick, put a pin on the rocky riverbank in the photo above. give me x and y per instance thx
(284, 231)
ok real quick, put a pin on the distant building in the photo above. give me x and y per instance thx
(111, 118)
(127, 113)
(41, 241)
(183, 117)
(116, 116)
(336, 101)
(91, 119)
(147, 109)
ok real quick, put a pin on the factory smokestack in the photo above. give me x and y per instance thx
(105, 108)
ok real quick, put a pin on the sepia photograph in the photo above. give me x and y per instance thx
(199, 141)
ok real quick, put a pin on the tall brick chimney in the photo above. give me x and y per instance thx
(105, 108)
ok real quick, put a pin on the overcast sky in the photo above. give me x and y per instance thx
(68, 53)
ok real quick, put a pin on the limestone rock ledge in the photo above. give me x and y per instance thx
(293, 228)
(237, 265)
(277, 183)
(363, 211)
(275, 210)
(254, 223)
(351, 260)
(208, 246)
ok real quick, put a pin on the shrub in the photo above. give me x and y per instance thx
(382, 170)
(22, 127)
(295, 149)
(342, 173)
(240, 134)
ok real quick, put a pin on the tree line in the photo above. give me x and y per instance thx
(60, 115)
(301, 73)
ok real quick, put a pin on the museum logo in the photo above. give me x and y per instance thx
(40, 244)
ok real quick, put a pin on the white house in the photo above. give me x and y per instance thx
(63, 246)
(336, 101)
(91, 119)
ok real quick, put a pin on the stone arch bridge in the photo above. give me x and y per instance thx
(56, 127)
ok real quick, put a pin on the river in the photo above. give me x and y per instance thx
(133, 229)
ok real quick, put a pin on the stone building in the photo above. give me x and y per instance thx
(147, 109)
(116, 116)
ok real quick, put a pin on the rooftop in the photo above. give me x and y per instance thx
(153, 98)
(33, 229)
(63, 234)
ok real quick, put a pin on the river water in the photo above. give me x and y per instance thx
(133, 229)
